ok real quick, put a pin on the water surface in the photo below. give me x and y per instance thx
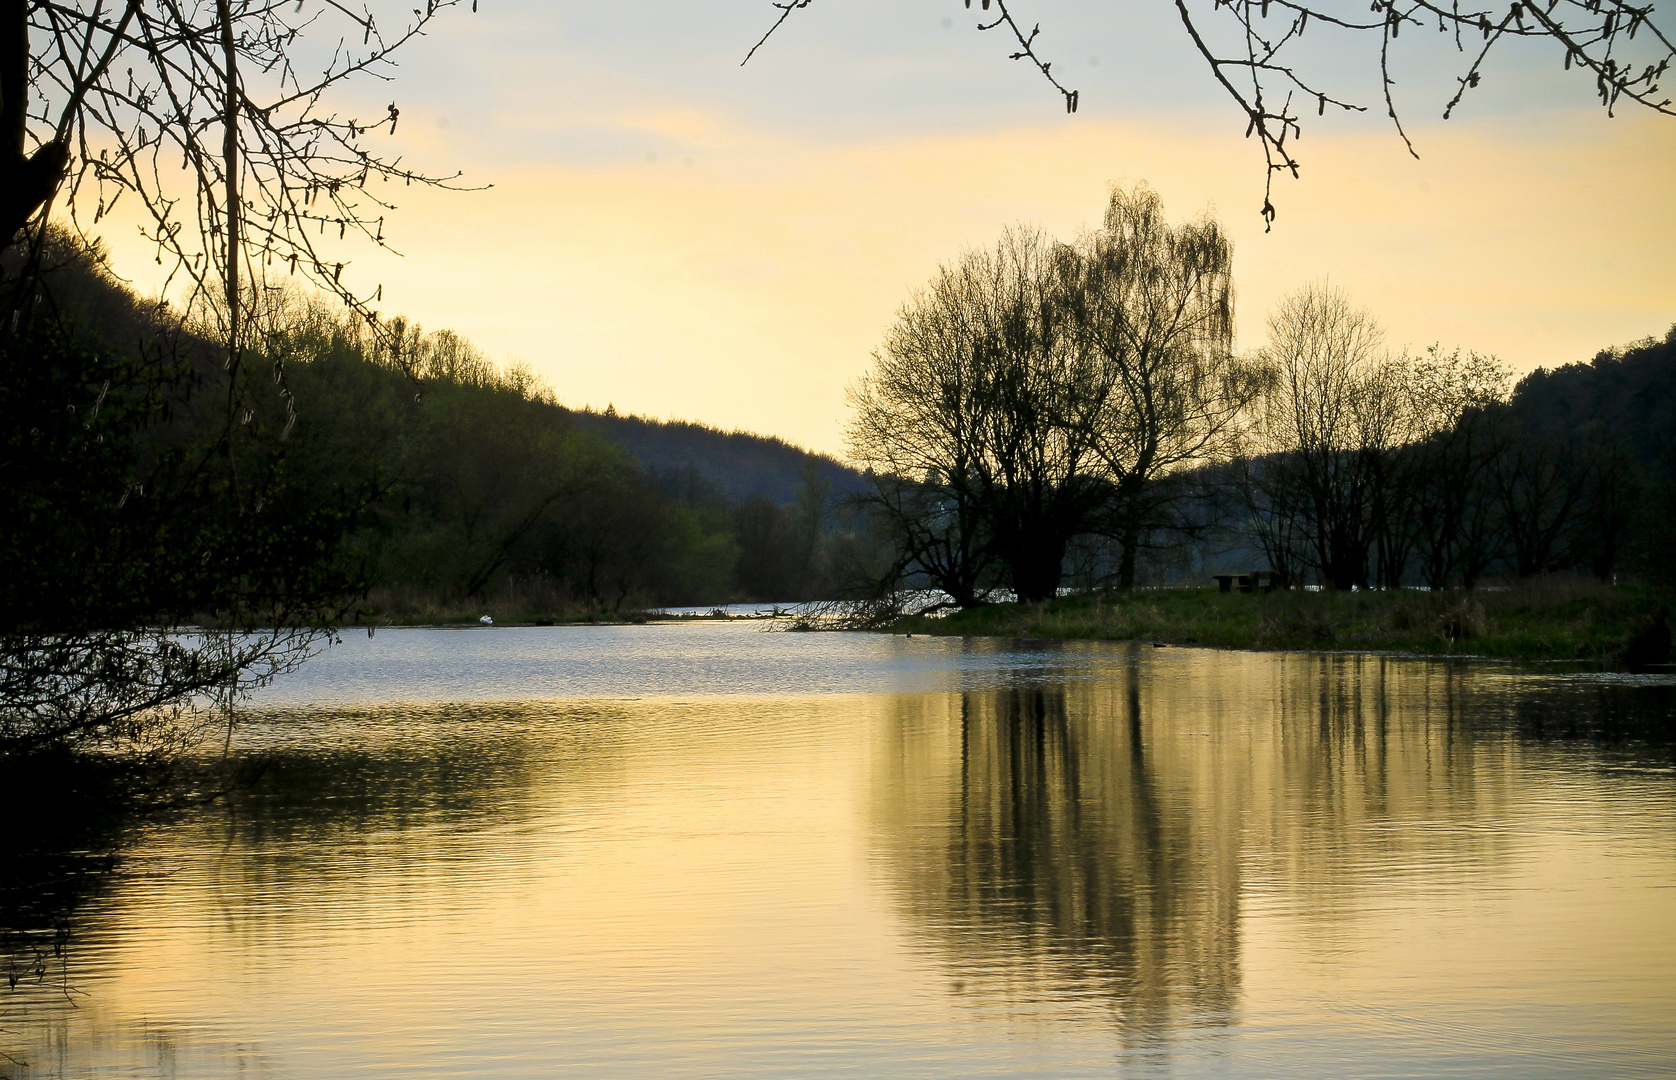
(707, 851)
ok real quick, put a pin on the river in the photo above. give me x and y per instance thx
(703, 850)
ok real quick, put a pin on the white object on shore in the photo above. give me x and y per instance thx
(486, 621)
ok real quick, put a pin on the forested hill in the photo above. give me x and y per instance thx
(1627, 393)
(438, 484)
(689, 461)
(738, 464)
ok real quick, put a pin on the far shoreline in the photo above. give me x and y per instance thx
(1550, 621)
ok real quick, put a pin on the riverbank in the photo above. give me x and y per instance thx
(511, 604)
(520, 604)
(1544, 620)
(500, 615)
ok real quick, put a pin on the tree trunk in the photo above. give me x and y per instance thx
(1129, 541)
(1037, 564)
(14, 76)
(230, 162)
(25, 181)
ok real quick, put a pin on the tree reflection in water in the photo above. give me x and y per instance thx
(1063, 865)
(1096, 840)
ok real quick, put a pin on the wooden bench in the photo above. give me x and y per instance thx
(1251, 581)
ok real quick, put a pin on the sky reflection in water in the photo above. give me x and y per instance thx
(707, 851)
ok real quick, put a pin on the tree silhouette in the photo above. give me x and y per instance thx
(215, 117)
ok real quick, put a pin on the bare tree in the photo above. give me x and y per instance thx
(1253, 49)
(215, 118)
(1453, 396)
(918, 425)
(1330, 423)
(1039, 471)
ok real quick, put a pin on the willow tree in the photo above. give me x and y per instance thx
(1151, 309)
(979, 395)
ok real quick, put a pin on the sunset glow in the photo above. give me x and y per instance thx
(664, 236)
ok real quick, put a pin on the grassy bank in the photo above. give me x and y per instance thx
(1546, 620)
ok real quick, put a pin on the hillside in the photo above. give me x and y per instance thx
(442, 485)
(737, 464)
(1627, 394)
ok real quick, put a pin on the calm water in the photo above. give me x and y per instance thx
(707, 851)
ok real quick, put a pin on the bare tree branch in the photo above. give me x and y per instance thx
(1247, 45)
(199, 112)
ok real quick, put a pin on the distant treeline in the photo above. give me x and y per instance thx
(363, 477)
(1049, 415)
(1574, 472)
(481, 486)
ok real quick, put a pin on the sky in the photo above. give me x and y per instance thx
(662, 230)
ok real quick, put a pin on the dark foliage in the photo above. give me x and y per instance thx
(136, 501)
(490, 488)
(1608, 429)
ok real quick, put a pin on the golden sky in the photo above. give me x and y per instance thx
(680, 237)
